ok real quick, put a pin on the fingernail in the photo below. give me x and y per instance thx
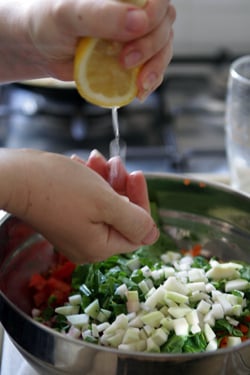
(134, 20)
(142, 96)
(125, 198)
(78, 159)
(150, 81)
(95, 154)
(132, 59)
(152, 236)
(114, 169)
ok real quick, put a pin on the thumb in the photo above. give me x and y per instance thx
(132, 222)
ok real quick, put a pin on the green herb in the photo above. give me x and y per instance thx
(174, 344)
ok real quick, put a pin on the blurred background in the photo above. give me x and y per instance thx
(179, 128)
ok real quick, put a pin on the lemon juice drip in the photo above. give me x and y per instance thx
(116, 129)
(117, 146)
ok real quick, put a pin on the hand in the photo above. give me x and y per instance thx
(73, 206)
(147, 33)
(53, 28)
(113, 171)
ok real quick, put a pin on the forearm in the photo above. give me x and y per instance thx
(19, 58)
(13, 177)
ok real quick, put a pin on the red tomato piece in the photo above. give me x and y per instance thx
(223, 342)
(40, 298)
(243, 328)
(64, 271)
(37, 281)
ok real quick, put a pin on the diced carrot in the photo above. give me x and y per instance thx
(202, 184)
(186, 181)
(196, 250)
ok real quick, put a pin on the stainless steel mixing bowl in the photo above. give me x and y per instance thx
(217, 216)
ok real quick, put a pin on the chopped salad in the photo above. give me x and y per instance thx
(182, 303)
(148, 301)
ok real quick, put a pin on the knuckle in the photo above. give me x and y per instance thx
(171, 13)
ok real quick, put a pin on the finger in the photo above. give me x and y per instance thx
(133, 223)
(98, 163)
(117, 175)
(153, 72)
(108, 241)
(137, 190)
(157, 10)
(123, 228)
(119, 244)
(78, 159)
(142, 49)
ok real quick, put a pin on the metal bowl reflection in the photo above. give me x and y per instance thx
(217, 215)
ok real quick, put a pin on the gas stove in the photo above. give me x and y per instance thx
(179, 128)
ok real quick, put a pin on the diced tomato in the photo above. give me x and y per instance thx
(60, 297)
(243, 328)
(37, 281)
(64, 271)
(247, 319)
(56, 283)
(244, 338)
(223, 342)
(61, 259)
(53, 287)
(40, 298)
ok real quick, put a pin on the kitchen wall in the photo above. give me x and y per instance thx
(206, 26)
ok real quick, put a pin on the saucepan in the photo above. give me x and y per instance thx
(217, 215)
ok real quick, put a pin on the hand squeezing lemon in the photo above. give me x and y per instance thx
(99, 76)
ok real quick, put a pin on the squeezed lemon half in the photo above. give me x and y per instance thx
(98, 74)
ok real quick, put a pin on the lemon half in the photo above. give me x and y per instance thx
(99, 76)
